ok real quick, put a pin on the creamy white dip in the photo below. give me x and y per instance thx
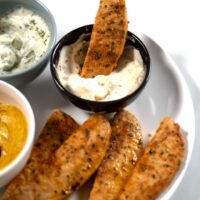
(125, 79)
(24, 38)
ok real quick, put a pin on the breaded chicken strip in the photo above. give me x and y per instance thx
(57, 129)
(124, 150)
(107, 39)
(158, 165)
(80, 156)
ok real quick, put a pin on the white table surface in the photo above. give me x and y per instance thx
(173, 24)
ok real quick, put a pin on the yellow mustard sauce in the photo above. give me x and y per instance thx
(13, 133)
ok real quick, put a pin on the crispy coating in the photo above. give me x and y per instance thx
(124, 150)
(71, 165)
(80, 156)
(57, 129)
(107, 39)
(158, 165)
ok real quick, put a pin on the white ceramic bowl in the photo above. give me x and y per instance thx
(11, 95)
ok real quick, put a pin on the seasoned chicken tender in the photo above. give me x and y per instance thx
(79, 157)
(124, 150)
(107, 39)
(158, 165)
(57, 129)
(71, 165)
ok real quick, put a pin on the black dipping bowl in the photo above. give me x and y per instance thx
(98, 106)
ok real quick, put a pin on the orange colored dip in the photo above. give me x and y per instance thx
(13, 133)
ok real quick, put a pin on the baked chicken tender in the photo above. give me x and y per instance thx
(107, 39)
(71, 166)
(124, 150)
(158, 165)
(80, 156)
(57, 129)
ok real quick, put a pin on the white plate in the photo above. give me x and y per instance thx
(165, 95)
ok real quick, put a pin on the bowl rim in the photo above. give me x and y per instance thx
(50, 46)
(30, 134)
(60, 44)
